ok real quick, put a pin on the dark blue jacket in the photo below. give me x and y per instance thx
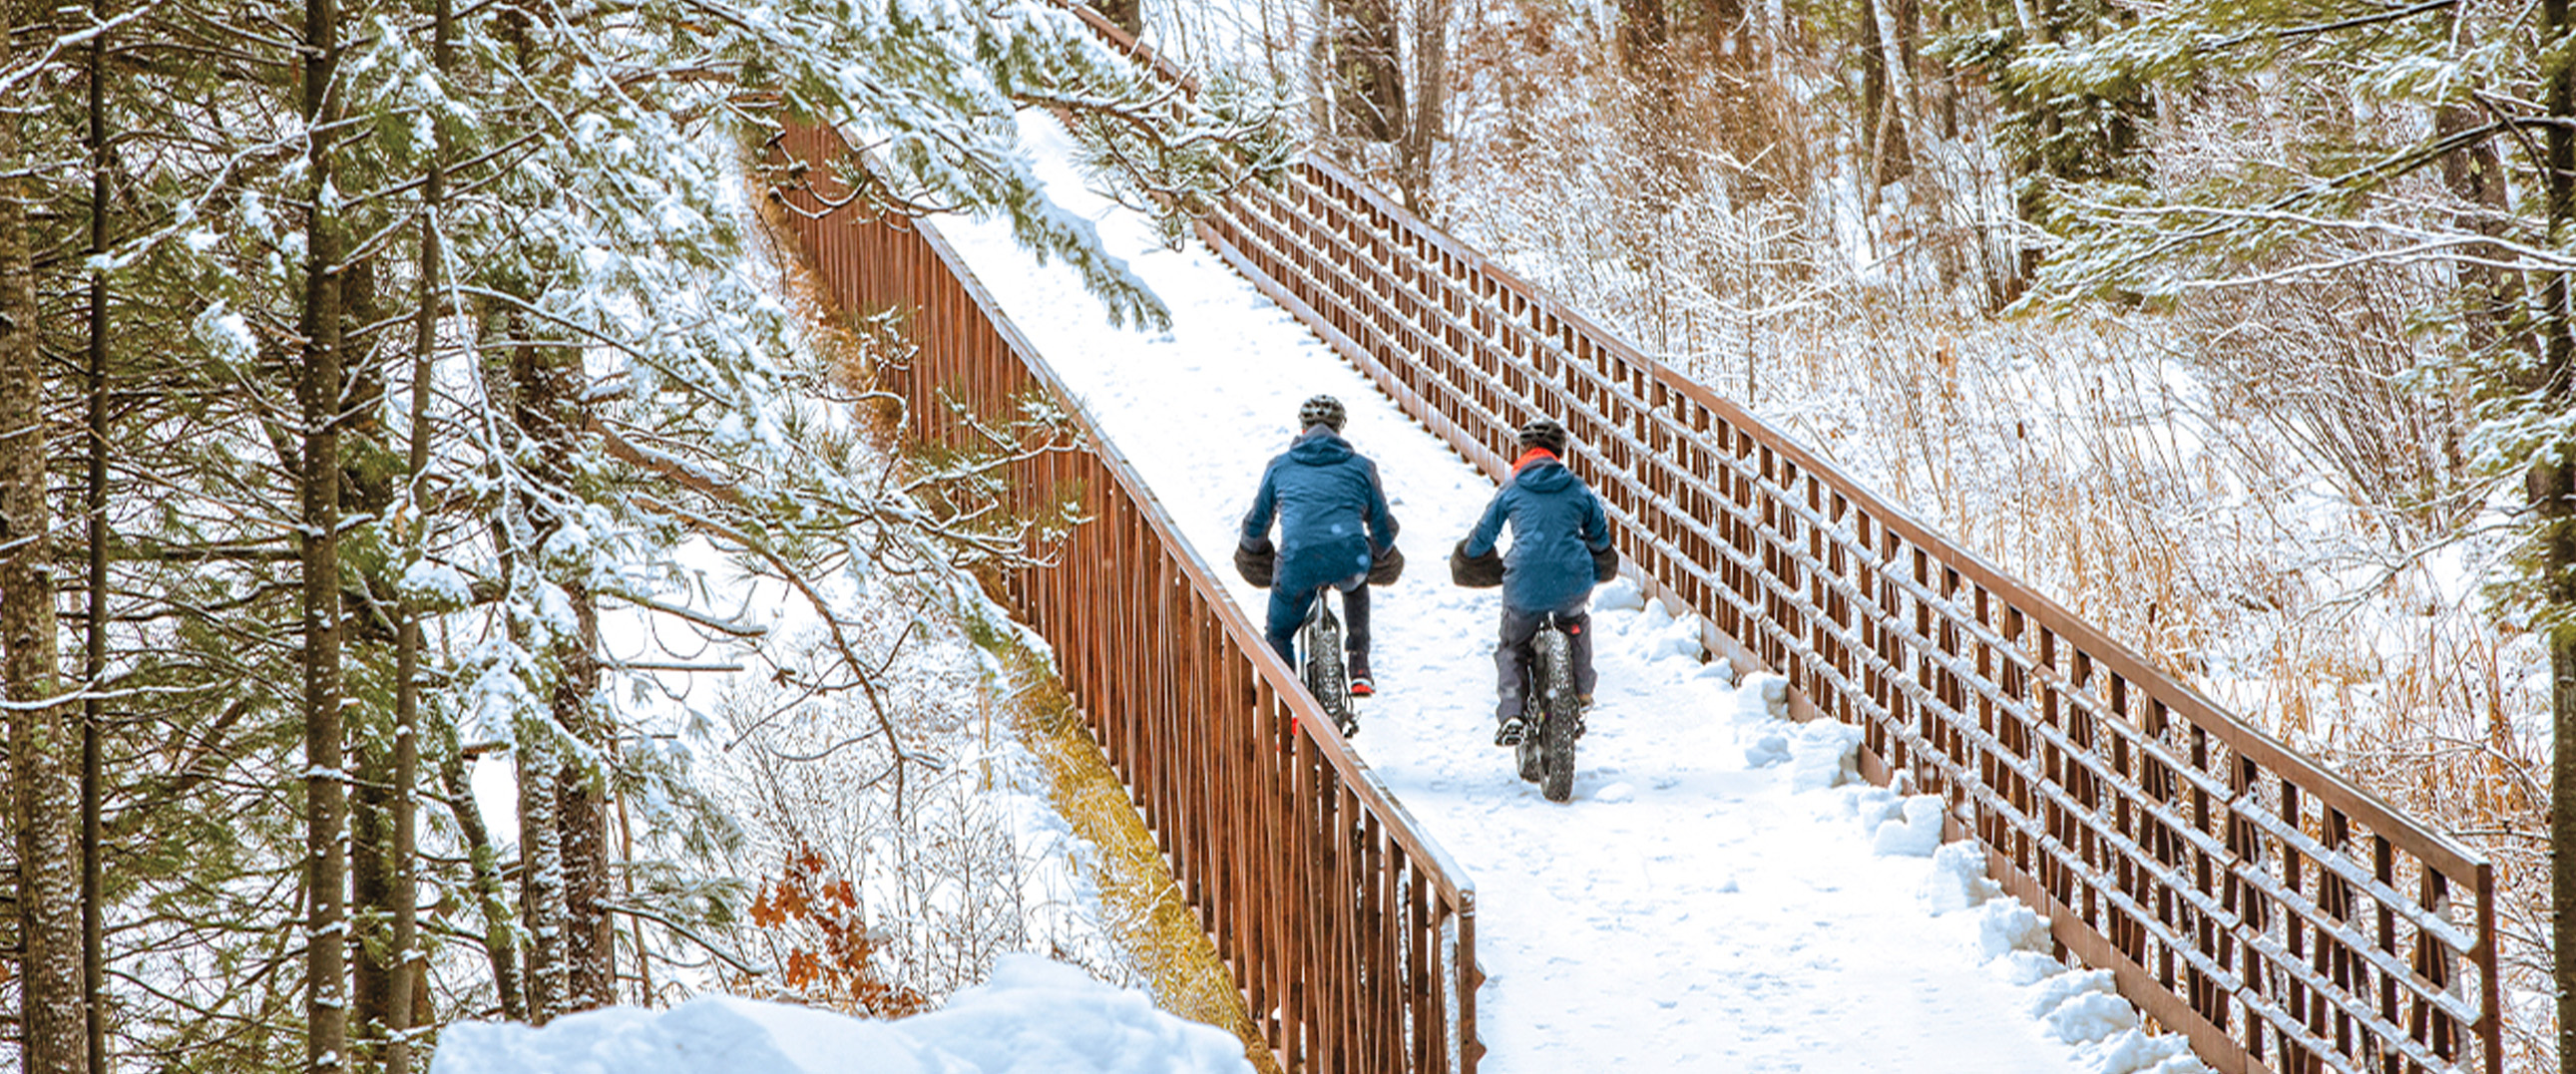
(1332, 512)
(1557, 523)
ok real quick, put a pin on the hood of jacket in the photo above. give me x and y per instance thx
(1320, 446)
(1545, 475)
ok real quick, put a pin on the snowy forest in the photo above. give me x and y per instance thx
(453, 566)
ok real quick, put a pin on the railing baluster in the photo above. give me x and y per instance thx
(1349, 933)
(2111, 795)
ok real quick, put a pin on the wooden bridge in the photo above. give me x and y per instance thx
(2240, 893)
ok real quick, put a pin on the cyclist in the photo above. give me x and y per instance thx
(1560, 550)
(1334, 529)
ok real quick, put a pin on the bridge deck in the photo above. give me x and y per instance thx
(1687, 910)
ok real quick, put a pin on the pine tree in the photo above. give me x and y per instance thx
(325, 494)
(44, 750)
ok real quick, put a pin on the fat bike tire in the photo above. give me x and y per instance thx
(1554, 735)
(1326, 676)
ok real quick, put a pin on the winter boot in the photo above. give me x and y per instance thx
(1361, 686)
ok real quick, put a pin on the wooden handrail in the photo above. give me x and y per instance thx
(1350, 932)
(2282, 916)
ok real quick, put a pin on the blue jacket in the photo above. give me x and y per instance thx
(1332, 512)
(1557, 523)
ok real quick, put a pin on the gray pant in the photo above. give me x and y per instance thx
(1512, 654)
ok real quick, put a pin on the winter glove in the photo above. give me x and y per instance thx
(1256, 561)
(1387, 566)
(1605, 563)
(1476, 572)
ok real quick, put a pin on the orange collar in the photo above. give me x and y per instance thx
(1532, 455)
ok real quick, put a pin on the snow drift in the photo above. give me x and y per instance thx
(1032, 1015)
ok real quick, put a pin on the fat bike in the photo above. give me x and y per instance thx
(1319, 662)
(1551, 712)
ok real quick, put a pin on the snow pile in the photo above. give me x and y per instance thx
(1819, 753)
(1822, 754)
(2079, 1007)
(2082, 1006)
(1032, 1016)
(1958, 879)
(1915, 832)
(1769, 692)
(1619, 594)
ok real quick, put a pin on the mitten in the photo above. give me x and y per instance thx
(1605, 563)
(1476, 572)
(1386, 566)
(1256, 560)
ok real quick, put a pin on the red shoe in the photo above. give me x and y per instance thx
(1360, 684)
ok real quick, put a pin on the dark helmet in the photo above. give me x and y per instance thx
(1545, 433)
(1321, 410)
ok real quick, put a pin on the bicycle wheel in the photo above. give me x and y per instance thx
(1325, 676)
(1557, 723)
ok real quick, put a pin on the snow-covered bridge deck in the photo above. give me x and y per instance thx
(1690, 909)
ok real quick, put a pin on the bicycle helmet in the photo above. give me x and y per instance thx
(1545, 433)
(1321, 410)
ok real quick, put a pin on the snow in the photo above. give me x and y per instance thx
(1722, 892)
(716, 700)
(1032, 1016)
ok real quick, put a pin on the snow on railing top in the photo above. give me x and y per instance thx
(1349, 931)
(2239, 891)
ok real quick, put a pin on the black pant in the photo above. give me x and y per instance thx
(1512, 654)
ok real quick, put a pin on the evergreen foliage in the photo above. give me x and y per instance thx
(610, 394)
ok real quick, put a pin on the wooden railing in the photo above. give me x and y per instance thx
(2280, 916)
(1350, 933)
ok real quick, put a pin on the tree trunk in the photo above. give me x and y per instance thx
(541, 880)
(370, 888)
(1644, 38)
(581, 805)
(2551, 485)
(2475, 175)
(2554, 488)
(519, 530)
(1368, 83)
(484, 865)
(43, 747)
(581, 801)
(319, 387)
(1430, 95)
(369, 486)
(547, 380)
(1887, 92)
(2037, 21)
(408, 965)
(94, 655)
(370, 489)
